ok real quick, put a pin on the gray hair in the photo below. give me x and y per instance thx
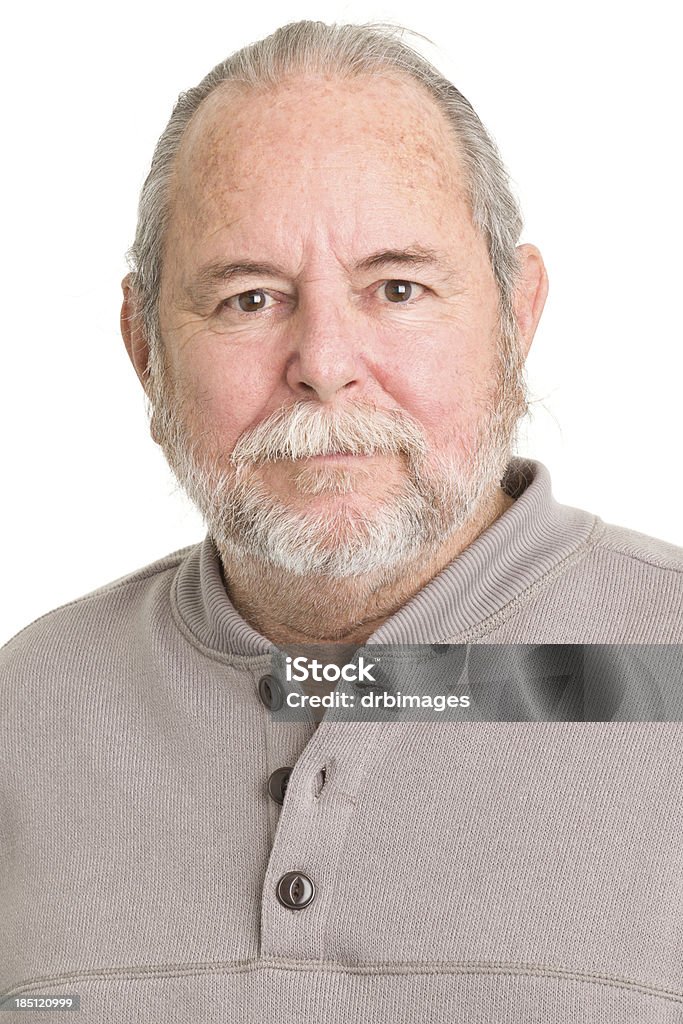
(346, 50)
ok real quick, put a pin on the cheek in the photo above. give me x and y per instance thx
(225, 397)
(443, 384)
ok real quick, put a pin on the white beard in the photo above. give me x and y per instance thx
(437, 496)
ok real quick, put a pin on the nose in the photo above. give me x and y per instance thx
(326, 357)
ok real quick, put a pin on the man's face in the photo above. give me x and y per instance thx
(324, 290)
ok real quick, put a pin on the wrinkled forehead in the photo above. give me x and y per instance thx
(385, 125)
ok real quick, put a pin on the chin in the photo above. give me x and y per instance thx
(298, 485)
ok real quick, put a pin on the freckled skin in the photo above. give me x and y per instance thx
(312, 177)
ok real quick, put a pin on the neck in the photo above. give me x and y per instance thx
(290, 609)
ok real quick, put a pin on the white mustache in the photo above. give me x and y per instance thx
(301, 431)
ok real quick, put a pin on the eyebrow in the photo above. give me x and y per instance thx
(218, 272)
(415, 256)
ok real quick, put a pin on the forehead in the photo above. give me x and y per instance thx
(309, 130)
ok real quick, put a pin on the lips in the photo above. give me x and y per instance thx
(336, 457)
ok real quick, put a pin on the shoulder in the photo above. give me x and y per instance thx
(625, 587)
(588, 581)
(88, 617)
(640, 549)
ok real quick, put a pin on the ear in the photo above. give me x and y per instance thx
(133, 332)
(530, 294)
(135, 339)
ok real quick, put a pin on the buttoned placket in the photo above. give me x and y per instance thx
(322, 770)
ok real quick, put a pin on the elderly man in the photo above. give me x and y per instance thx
(329, 313)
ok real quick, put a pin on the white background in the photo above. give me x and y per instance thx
(584, 102)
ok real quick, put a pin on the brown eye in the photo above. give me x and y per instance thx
(251, 301)
(398, 291)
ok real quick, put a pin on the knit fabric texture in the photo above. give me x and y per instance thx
(462, 871)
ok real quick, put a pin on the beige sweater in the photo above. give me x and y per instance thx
(478, 871)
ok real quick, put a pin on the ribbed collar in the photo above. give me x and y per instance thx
(534, 537)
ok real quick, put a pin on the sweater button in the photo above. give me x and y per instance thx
(277, 784)
(295, 890)
(270, 692)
